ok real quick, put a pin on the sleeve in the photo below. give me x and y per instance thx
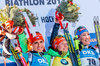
(11, 36)
(25, 55)
(30, 58)
(12, 58)
(54, 32)
(48, 58)
(23, 42)
(6, 48)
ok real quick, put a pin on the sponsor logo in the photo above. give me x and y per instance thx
(82, 29)
(64, 61)
(88, 52)
(37, 37)
(42, 61)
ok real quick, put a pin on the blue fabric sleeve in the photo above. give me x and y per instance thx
(25, 55)
(12, 58)
(54, 32)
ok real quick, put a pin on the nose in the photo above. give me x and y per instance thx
(65, 44)
(87, 36)
(39, 44)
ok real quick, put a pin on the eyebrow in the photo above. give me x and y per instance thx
(35, 42)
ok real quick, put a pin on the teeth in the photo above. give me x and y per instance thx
(38, 48)
(87, 40)
(64, 48)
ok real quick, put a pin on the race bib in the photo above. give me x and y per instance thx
(89, 57)
(58, 61)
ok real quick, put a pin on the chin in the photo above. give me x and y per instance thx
(86, 43)
(40, 51)
(64, 51)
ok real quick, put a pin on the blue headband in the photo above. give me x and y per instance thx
(81, 30)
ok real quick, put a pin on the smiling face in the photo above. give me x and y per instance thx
(38, 45)
(63, 46)
(85, 38)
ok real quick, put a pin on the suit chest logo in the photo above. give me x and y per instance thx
(64, 61)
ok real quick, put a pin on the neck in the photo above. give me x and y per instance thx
(86, 46)
(62, 53)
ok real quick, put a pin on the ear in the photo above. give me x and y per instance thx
(56, 48)
(79, 38)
